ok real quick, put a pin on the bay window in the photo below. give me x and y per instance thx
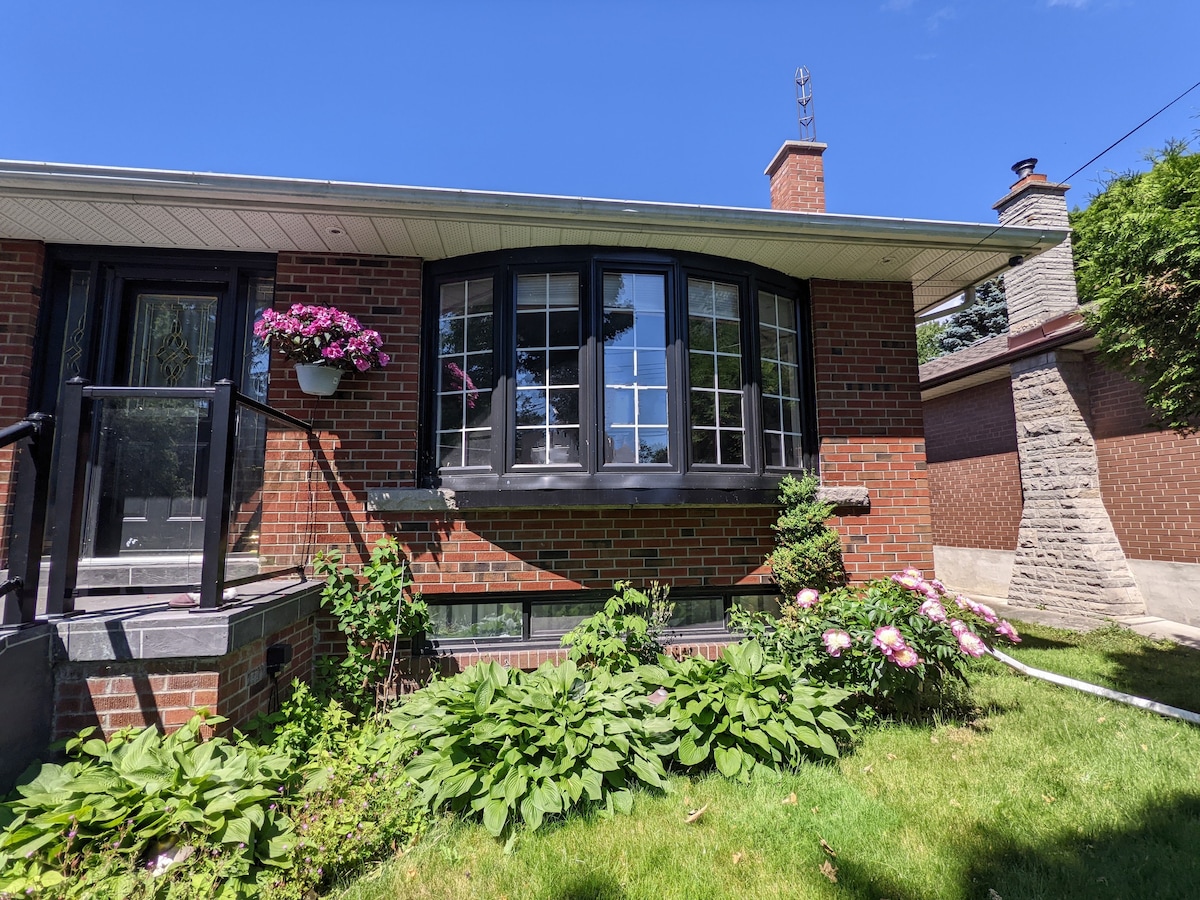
(594, 375)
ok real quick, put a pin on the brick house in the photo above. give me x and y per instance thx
(581, 391)
(1050, 484)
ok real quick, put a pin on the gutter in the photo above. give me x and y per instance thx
(150, 186)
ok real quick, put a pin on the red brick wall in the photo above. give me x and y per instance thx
(977, 501)
(167, 692)
(974, 472)
(870, 423)
(572, 549)
(315, 491)
(1150, 479)
(978, 421)
(21, 267)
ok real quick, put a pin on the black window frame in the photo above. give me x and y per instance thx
(594, 483)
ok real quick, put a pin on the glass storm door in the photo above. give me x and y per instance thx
(151, 454)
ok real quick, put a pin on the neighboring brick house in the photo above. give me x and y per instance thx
(1050, 484)
(632, 381)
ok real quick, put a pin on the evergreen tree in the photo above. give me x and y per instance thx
(987, 316)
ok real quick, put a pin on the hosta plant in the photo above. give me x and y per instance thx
(892, 641)
(742, 712)
(515, 747)
(139, 794)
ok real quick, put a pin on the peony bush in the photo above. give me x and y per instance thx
(894, 642)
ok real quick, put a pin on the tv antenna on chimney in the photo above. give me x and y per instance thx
(804, 104)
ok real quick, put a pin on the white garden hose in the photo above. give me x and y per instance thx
(1140, 702)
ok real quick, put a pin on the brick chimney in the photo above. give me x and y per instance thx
(797, 176)
(1043, 287)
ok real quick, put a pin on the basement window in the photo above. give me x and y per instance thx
(579, 372)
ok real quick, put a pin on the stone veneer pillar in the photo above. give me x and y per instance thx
(1068, 557)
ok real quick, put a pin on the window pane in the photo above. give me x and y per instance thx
(476, 620)
(635, 369)
(548, 354)
(558, 618)
(714, 325)
(781, 389)
(465, 373)
(699, 612)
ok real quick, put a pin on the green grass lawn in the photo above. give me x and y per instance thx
(1043, 792)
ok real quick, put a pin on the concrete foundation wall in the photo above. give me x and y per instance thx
(26, 700)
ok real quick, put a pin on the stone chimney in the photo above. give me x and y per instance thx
(797, 176)
(1068, 557)
(1041, 288)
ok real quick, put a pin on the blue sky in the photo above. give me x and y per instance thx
(924, 103)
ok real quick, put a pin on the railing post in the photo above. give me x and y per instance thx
(219, 491)
(75, 442)
(29, 519)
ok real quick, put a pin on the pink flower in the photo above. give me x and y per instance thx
(958, 626)
(836, 641)
(961, 601)
(986, 613)
(904, 579)
(384, 359)
(933, 610)
(971, 644)
(807, 598)
(906, 658)
(1005, 629)
(889, 639)
(913, 572)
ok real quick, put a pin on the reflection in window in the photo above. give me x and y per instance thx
(715, 370)
(465, 373)
(547, 370)
(781, 402)
(635, 369)
(476, 620)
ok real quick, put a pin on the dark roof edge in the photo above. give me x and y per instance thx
(1050, 335)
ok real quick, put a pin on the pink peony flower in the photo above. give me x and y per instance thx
(958, 626)
(889, 639)
(906, 658)
(836, 641)
(807, 598)
(986, 613)
(904, 579)
(1005, 629)
(971, 644)
(913, 572)
(933, 610)
(938, 586)
(961, 601)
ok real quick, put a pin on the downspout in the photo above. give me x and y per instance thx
(1140, 702)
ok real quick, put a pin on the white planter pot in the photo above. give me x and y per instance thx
(318, 380)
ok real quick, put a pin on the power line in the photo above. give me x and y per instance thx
(1099, 155)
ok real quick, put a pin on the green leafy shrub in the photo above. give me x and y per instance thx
(504, 744)
(807, 553)
(121, 803)
(626, 633)
(894, 642)
(375, 610)
(742, 712)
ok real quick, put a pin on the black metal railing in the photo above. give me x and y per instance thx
(77, 420)
(34, 437)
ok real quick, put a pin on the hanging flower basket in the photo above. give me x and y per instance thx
(317, 379)
(324, 342)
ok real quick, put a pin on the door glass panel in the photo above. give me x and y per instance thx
(151, 462)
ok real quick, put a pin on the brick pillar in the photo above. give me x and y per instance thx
(21, 265)
(1068, 557)
(797, 176)
(1043, 287)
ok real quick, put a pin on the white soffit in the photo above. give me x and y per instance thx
(71, 204)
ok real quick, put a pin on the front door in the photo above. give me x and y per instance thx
(150, 319)
(147, 486)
